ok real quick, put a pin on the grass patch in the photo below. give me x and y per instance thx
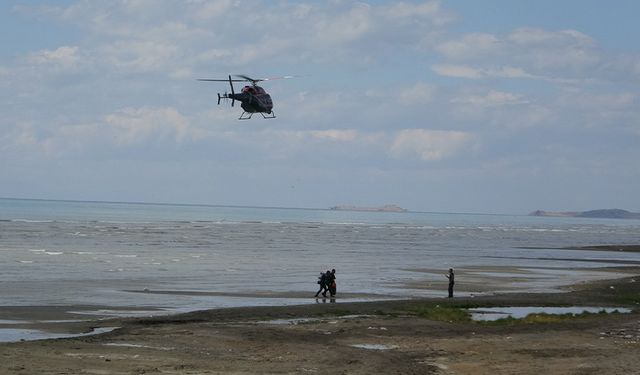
(459, 313)
(543, 318)
(626, 299)
(444, 314)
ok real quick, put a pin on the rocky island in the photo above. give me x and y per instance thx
(613, 213)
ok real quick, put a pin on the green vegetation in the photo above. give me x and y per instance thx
(626, 299)
(542, 318)
(460, 313)
(446, 314)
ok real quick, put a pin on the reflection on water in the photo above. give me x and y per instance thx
(374, 346)
(496, 313)
(19, 334)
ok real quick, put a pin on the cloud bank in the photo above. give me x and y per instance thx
(391, 97)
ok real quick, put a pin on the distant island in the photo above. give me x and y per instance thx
(611, 213)
(385, 208)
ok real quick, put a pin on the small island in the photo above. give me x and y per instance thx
(612, 213)
(385, 208)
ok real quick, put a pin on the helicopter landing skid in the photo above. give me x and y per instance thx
(247, 115)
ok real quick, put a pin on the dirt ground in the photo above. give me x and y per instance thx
(354, 338)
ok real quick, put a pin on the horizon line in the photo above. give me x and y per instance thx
(245, 206)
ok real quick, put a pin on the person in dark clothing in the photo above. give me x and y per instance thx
(331, 282)
(328, 279)
(322, 280)
(451, 278)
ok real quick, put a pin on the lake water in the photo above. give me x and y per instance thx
(490, 314)
(88, 253)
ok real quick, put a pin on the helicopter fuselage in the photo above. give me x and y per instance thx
(254, 99)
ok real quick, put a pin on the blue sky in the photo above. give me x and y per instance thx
(456, 106)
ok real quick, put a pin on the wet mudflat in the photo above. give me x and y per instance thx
(356, 338)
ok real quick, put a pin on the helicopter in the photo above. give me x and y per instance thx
(252, 98)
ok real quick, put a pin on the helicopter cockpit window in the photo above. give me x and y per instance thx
(249, 89)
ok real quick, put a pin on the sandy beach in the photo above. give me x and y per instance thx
(421, 336)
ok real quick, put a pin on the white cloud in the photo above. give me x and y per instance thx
(420, 93)
(611, 111)
(28, 139)
(182, 33)
(143, 56)
(559, 49)
(304, 139)
(588, 101)
(493, 98)
(335, 134)
(23, 135)
(135, 125)
(525, 52)
(508, 72)
(207, 10)
(429, 145)
(530, 37)
(430, 10)
(348, 27)
(457, 71)
(282, 145)
(126, 127)
(123, 87)
(466, 71)
(65, 56)
(470, 46)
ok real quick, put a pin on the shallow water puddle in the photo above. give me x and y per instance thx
(284, 322)
(374, 346)
(487, 314)
(9, 321)
(16, 322)
(19, 334)
(121, 313)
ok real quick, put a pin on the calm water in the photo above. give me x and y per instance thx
(65, 253)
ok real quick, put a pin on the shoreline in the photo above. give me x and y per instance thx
(474, 283)
(615, 248)
(353, 337)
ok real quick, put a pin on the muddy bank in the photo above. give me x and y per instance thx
(355, 338)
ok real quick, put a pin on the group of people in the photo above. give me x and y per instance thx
(327, 282)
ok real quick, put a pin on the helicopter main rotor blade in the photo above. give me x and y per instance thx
(246, 78)
(221, 80)
(281, 77)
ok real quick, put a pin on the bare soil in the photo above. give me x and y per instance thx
(385, 337)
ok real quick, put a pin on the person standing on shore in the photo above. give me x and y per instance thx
(451, 278)
(332, 282)
(322, 280)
